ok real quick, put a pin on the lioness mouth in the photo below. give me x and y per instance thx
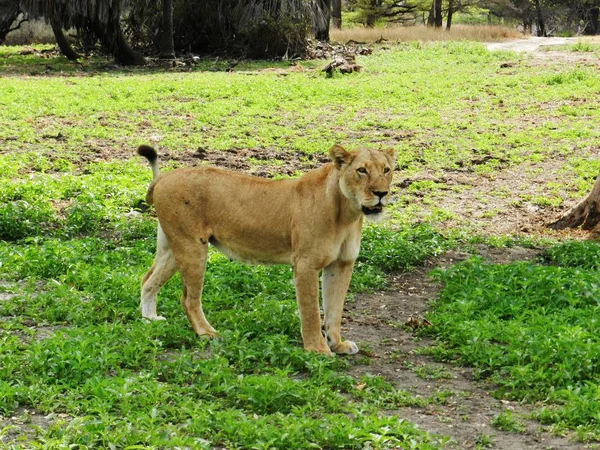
(372, 209)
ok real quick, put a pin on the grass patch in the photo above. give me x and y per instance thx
(506, 421)
(106, 370)
(531, 328)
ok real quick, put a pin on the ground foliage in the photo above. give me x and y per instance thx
(76, 237)
(531, 327)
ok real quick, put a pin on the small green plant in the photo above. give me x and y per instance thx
(506, 421)
(573, 76)
(581, 46)
(429, 372)
(483, 441)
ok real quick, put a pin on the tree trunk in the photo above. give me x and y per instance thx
(336, 15)
(438, 14)
(111, 36)
(62, 41)
(322, 34)
(592, 26)
(539, 20)
(450, 12)
(435, 14)
(431, 15)
(167, 47)
(586, 213)
(7, 17)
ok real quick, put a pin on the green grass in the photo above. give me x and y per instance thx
(506, 421)
(108, 371)
(75, 238)
(532, 328)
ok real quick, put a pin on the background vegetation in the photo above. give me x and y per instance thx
(269, 28)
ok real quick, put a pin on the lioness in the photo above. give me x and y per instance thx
(313, 223)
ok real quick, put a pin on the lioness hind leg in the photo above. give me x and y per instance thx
(336, 279)
(192, 262)
(163, 268)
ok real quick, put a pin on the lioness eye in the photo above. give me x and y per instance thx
(362, 170)
(386, 170)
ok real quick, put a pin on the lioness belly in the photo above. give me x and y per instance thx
(252, 255)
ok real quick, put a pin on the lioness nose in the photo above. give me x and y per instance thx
(380, 194)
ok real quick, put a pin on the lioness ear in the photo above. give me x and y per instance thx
(339, 155)
(391, 154)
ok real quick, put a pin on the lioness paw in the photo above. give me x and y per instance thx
(323, 350)
(346, 348)
(208, 335)
(154, 318)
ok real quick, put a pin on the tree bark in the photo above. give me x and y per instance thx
(8, 16)
(592, 26)
(431, 16)
(336, 14)
(435, 14)
(322, 34)
(167, 46)
(62, 41)
(438, 14)
(450, 12)
(111, 36)
(586, 213)
(539, 20)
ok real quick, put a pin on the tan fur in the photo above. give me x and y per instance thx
(313, 223)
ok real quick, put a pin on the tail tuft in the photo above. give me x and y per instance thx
(148, 152)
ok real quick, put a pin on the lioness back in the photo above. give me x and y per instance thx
(222, 203)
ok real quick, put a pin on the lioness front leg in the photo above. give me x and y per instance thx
(307, 296)
(336, 279)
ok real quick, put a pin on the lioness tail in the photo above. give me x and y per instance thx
(150, 154)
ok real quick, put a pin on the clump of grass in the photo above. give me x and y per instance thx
(582, 254)
(531, 327)
(481, 33)
(582, 46)
(403, 248)
(568, 77)
(506, 421)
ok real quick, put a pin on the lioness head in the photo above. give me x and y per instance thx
(365, 176)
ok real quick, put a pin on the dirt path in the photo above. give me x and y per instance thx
(530, 44)
(376, 320)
